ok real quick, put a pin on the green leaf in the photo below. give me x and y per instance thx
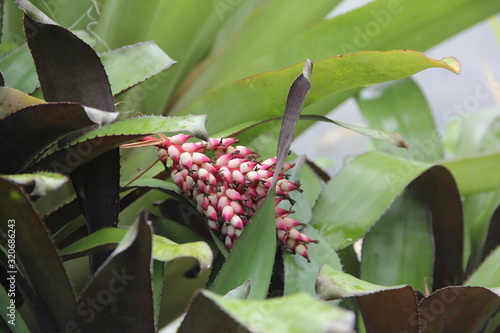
(262, 24)
(301, 275)
(380, 25)
(14, 100)
(476, 174)
(96, 142)
(43, 181)
(341, 220)
(163, 249)
(11, 316)
(488, 273)
(145, 59)
(39, 259)
(122, 288)
(210, 312)
(334, 284)
(258, 257)
(399, 249)
(256, 96)
(18, 69)
(400, 106)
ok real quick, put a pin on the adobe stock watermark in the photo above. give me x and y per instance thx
(435, 308)
(88, 308)
(371, 29)
(224, 7)
(485, 89)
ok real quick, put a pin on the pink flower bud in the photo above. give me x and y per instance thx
(301, 249)
(244, 150)
(225, 173)
(270, 162)
(238, 177)
(297, 235)
(174, 154)
(286, 185)
(229, 243)
(227, 213)
(287, 166)
(192, 147)
(265, 174)
(200, 158)
(237, 207)
(223, 202)
(283, 236)
(211, 213)
(235, 163)
(209, 167)
(186, 160)
(233, 194)
(223, 160)
(179, 139)
(253, 176)
(281, 212)
(237, 222)
(230, 231)
(178, 178)
(203, 174)
(247, 166)
(213, 225)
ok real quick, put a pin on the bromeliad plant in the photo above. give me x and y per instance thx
(218, 201)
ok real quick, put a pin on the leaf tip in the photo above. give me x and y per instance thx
(307, 69)
(452, 64)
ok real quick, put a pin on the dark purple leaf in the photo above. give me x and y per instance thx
(69, 70)
(119, 298)
(29, 131)
(458, 309)
(204, 315)
(37, 257)
(392, 310)
(296, 97)
(493, 235)
(437, 188)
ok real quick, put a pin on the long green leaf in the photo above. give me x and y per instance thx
(341, 220)
(14, 100)
(256, 96)
(398, 249)
(258, 256)
(476, 174)
(163, 249)
(401, 107)
(264, 25)
(380, 25)
(488, 274)
(210, 312)
(146, 59)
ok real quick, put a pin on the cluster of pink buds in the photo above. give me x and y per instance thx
(229, 187)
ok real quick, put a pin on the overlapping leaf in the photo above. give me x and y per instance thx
(163, 248)
(209, 312)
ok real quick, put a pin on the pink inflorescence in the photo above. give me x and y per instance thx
(228, 188)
